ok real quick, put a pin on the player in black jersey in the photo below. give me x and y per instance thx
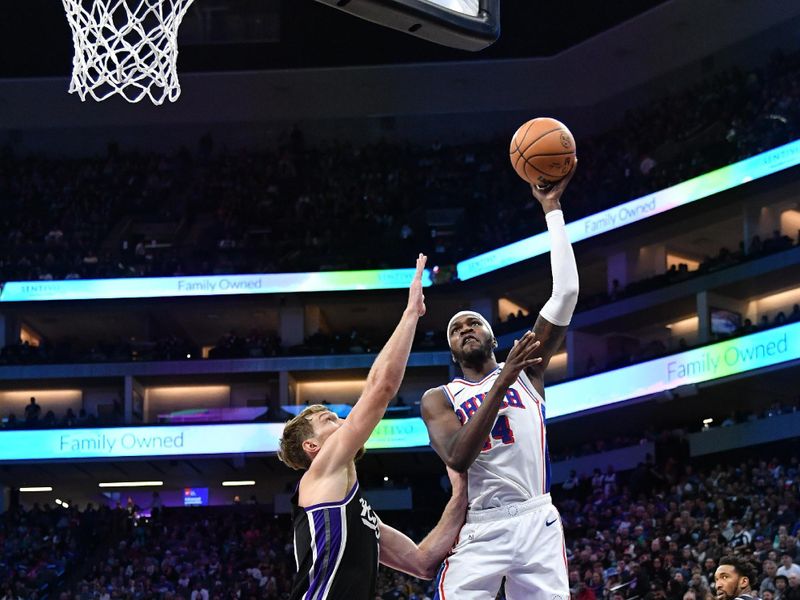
(734, 578)
(338, 539)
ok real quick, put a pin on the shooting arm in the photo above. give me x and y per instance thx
(556, 314)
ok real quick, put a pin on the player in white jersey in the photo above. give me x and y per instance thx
(491, 424)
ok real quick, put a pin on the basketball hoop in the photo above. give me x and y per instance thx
(125, 47)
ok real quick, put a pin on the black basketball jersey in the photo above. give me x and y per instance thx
(336, 549)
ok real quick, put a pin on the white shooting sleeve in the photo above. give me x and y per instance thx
(559, 308)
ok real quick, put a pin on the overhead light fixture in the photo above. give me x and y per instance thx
(43, 488)
(708, 421)
(58, 501)
(238, 483)
(127, 484)
(64, 505)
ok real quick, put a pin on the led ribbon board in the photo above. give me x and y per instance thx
(189, 440)
(755, 167)
(718, 360)
(703, 186)
(212, 285)
(693, 366)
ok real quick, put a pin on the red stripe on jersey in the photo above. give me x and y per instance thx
(441, 581)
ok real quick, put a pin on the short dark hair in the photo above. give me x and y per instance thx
(742, 567)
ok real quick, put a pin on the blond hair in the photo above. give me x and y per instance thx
(295, 432)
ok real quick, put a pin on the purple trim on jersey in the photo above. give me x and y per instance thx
(328, 535)
(320, 563)
(342, 502)
(335, 525)
(468, 382)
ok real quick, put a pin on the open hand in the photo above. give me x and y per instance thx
(522, 356)
(416, 299)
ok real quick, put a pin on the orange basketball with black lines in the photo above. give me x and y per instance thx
(543, 151)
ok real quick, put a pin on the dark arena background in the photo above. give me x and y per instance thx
(178, 280)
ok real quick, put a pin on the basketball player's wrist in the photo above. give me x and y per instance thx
(550, 206)
(411, 313)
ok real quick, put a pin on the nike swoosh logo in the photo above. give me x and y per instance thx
(458, 392)
(548, 523)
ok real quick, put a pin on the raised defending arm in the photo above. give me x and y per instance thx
(382, 384)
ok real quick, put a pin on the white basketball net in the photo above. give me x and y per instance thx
(125, 47)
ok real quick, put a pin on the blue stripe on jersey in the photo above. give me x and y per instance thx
(546, 453)
(436, 595)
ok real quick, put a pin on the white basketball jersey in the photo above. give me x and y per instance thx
(514, 464)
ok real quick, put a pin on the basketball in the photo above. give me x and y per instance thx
(543, 151)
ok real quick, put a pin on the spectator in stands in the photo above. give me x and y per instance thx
(237, 198)
(793, 591)
(768, 580)
(794, 316)
(740, 541)
(571, 484)
(32, 412)
(597, 480)
(70, 420)
(781, 587)
(788, 566)
(49, 419)
(610, 482)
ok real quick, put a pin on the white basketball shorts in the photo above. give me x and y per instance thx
(522, 542)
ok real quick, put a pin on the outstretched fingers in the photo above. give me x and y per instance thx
(532, 362)
(524, 349)
(421, 261)
(526, 342)
(416, 298)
